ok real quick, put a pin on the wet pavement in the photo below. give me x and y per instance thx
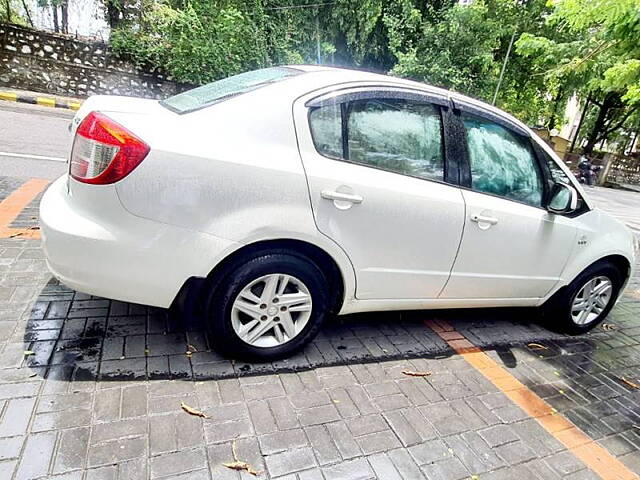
(92, 388)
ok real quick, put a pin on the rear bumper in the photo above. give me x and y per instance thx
(92, 244)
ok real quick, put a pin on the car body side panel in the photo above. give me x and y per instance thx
(232, 171)
(402, 238)
(521, 256)
(108, 252)
(599, 235)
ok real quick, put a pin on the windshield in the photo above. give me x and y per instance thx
(213, 92)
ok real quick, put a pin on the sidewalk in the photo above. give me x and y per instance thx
(92, 388)
(36, 98)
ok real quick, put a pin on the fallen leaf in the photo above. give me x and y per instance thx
(33, 375)
(146, 351)
(192, 411)
(241, 466)
(628, 382)
(192, 348)
(188, 354)
(636, 427)
(238, 464)
(537, 346)
(34, 218)
(416, 374)
(19, 234)
(29, 352)
(34, 228)
(608, 326)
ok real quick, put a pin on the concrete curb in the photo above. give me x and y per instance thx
(43, 101)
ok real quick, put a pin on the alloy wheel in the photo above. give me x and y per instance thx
(591, 300)
(271, 310)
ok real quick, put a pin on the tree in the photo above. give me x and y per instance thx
(456, 51)
(9, 13)
(195, 44)
(463, 47)
(600, 60)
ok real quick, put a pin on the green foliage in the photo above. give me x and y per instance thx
(561, 46)
(598, 56)
(195, 44)
(10, 12)
(456, 52)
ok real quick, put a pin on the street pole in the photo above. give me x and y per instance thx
(504, 67)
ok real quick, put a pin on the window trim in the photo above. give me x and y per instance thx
(371, 92)
(479, 111)
(346, 98)
(456, 152)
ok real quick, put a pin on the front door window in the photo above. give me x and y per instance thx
(502, 162)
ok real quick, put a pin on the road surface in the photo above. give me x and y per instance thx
(34, 140)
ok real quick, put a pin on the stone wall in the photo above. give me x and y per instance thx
(58, 64)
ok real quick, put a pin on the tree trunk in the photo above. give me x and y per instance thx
(607, 104)
(113, 13)
(64, 9)
(26, 9)
(56, 25)
(8, 11)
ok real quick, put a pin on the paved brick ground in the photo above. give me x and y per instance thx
(100, 396)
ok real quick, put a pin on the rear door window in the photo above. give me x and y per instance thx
(397, 135)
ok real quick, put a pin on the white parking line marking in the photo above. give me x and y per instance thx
(33, 157)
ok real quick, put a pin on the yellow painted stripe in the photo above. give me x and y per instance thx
(74, 105)
(12, 97)
(46, 102)
(11, 207)
(577, 442)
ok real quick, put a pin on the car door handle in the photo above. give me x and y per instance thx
(341, 197)
(483, 219)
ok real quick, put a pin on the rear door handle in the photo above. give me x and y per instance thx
(483, 219)
(341, 197)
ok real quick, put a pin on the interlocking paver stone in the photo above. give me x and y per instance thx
(290, 461)
(100, 398)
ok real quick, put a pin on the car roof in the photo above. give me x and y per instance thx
(340, 74)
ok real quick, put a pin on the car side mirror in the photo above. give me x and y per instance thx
(563, 198)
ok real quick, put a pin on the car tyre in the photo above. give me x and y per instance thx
(586, 301)
(237, 306)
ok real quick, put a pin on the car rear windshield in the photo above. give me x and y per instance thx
(228, 87)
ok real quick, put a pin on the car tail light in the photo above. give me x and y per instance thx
(104, 151)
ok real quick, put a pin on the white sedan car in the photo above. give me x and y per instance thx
(279, 196)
